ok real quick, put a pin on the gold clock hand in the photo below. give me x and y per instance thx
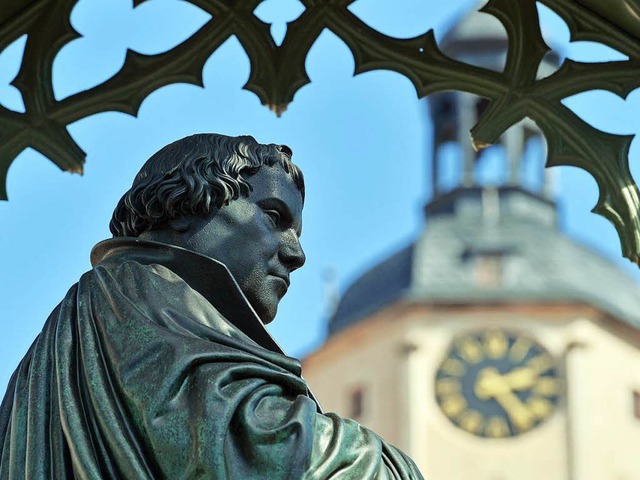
(491, 384)
(521, 378)
(520, 415)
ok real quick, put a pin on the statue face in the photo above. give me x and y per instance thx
(257, 238)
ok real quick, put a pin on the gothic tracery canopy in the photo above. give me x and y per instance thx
(278, 72)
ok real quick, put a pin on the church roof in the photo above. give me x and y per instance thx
(536, 263)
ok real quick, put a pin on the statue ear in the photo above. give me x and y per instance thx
(180, 224)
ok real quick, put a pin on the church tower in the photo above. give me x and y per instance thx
(492, 346)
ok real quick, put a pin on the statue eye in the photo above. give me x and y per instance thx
(274, 216)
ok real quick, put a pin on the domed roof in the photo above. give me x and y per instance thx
(463, 259)
(474, 27)
(480, 39)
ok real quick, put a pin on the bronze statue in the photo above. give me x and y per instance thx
(157, 364)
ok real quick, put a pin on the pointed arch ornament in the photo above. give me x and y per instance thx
(278, 72)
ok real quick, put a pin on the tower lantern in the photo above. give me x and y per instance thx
(481, 40)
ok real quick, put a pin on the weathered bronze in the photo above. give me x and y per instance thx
(157, 364)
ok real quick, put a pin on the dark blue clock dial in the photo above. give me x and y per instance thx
(497, 384)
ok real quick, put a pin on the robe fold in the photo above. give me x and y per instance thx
(154, 366)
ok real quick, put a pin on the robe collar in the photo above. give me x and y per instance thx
(209, 277)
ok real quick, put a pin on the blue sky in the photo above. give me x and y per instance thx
(362, 142)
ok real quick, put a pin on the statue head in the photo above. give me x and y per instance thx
(229, 198)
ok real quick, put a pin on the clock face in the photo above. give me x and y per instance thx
(497, 384)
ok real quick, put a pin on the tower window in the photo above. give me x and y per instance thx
(487, 265)
(487, 270)
(356, 403)
(445, 106)
(481, 105)
(636, 404)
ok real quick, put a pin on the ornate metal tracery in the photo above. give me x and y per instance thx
(278, 72)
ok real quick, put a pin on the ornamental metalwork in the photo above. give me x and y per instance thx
(278, 72)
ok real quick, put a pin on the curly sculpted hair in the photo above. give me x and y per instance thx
(193, 176)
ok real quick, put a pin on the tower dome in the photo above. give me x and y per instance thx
(469, 256)
(477, 38)
(481, 39)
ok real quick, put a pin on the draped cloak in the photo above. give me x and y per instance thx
(154, 365)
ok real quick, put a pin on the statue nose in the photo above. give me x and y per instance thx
(291, 253)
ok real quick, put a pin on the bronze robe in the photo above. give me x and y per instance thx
(155, 366)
